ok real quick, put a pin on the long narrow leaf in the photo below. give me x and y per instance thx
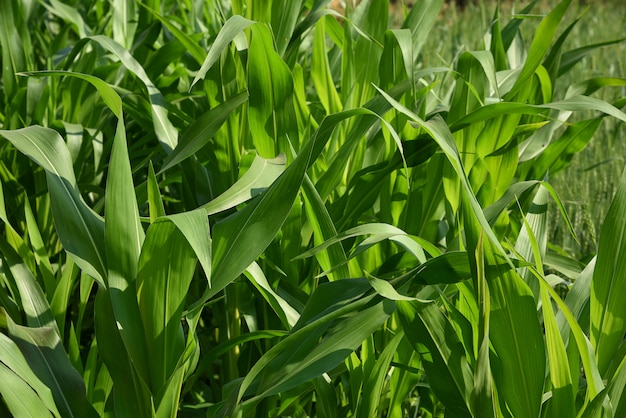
(80, 229)
(608, 312)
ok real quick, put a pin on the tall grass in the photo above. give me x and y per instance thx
(269, 209)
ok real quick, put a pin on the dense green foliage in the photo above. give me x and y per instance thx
(251, 208)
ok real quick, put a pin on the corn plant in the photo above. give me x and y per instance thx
(268, 209)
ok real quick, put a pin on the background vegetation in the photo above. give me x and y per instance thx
(256, 208)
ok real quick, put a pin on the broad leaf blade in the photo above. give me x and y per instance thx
(270, 111)
(608, 310)
(44, 352)
(80, 229)
(257, 178)
(202, 130)
(13, 362)
(166, 267)
(233, 27)
(124, 237)
(443, 355)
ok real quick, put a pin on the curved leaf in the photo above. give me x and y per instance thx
(80, 229)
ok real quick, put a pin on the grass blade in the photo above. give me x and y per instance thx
(131, 395)
(20, 398)
(262, 218)
(31, 297)
(165, 131)
(124, 22)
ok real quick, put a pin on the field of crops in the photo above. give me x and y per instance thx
(587, 186)
(264, 209)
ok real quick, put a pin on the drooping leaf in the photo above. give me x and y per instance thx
(80, 229)
(163, 127)
(257, 178)
(46, 356)
(22, 388)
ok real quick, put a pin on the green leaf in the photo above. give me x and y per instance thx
(323, 229)
(23, 390)
(107, 93)
(14, 46)
(536, 220)
(44, 353)
(192, 46)
(270, 107)
(163, 128)
(320, 72)
(283, 22)
(131, 395)
(202, 130)
(168, 405)
(69, 14)
(420, 22)
(447, 268)
(166, 267)
(80, 229)
(518, 355)
(124, 237)
(287, 314)
(257, 178)
(233, 27)
(595, 385)
(194, 225)
(532, 242)
(124, 22)
(31, 297)
(608, 312)
(20, 398)
(440, 132)
(563, 392)
(375, 380)
(443, 355)
(233, 248)
(155, 200)
(386, 289)
(571, 58)
(540, 45)
(483, 402)
(295, 361)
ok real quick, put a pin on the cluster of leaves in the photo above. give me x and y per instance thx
(256, 208)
